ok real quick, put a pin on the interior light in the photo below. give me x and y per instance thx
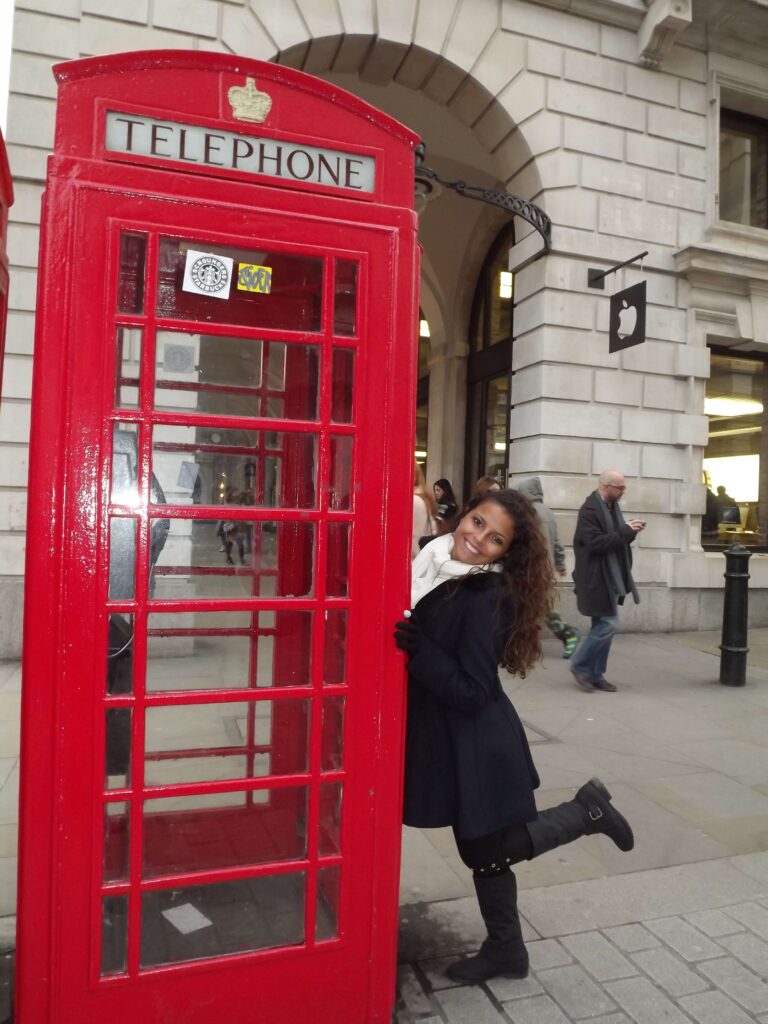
(500, 446)
(505, 284)
(423, 328)
(420, 455)
(731, 406)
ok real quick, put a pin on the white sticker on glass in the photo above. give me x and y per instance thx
(186, 918)
(205, 273)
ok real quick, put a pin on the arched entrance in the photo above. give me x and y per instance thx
(471, 137)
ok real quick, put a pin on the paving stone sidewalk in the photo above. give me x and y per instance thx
(704, 967)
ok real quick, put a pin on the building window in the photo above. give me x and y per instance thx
(489, 366)
(743, 169)
(736, 456)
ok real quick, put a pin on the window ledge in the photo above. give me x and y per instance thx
(732, 251)
(703, 570)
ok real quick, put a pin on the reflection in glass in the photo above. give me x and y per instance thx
(114, 934)
(122, 558)
(120, 653)
(127, 367)
(334, 672)
(331, 756)
(276, 560)
(344, 298)
(118, 747)
(328, 889)
(329, 842)
(340, 485)
(337, 568)
(226, 917)
(130, 286)
(202, 742)
(292, 303)
(496, 413)
(342, 385)
(124, 485)
(184, 834)
(228, 376)
(116, 838)
(228, 650)
(214, 466)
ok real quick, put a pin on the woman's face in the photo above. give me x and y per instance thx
(438, 492)
(484, 535)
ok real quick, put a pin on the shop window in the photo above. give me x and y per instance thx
(743, 169)
(489, 366)
(736, 457)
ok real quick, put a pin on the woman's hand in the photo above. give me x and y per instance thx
(407, 636)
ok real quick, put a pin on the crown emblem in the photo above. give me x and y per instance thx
(248, 104)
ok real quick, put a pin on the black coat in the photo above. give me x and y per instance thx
(467, 760)
(591, 543)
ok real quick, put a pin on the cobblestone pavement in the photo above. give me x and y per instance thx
(706, 967)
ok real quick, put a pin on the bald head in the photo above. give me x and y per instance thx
(611, 485)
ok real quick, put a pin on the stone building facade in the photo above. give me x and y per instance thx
(606, 113)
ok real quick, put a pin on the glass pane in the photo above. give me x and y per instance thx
(342, 385)
(422, 434)
(202, 742)
(130, 287)
(344, 298)
(118, 748)
(276, 559)
(228, 650)
(122, 558)
(120, 654)
(500, 321)
(228, 376)
(735, 403)
(340, 493)
(337, 568)
(114, 934)
(293, 301)
(335, 646)
(330, 819)
(127, 367)
(213, 466)
(124, 485)
(193, 833)
(328, 888)
(224, 917)
(116, 838)
(743, 169)
(331, 756)
(496, 411)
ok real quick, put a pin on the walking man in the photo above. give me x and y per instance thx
(603, 575)
(568, 635)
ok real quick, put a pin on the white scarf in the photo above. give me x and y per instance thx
(433, 565)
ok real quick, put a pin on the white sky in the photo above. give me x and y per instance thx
(6, 21)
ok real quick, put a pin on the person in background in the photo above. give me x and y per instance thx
(424, 511)
(603, 576)
(447, 506)
(483, 485)
(478, 596)
(724, 500)
(568, 635)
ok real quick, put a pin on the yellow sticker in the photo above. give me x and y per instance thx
(253, 278)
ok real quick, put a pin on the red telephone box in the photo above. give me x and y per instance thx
(6, 201)
(219, 522)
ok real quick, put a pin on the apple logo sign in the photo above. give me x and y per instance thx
(627, 318)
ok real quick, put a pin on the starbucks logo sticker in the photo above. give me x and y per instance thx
(206, 273)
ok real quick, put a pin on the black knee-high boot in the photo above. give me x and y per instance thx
(589, 813)
(503, 952)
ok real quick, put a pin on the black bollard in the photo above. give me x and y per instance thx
(733, 649)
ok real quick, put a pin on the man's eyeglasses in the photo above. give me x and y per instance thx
(618, 487)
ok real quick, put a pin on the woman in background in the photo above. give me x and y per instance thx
(447, 506)
(424, 510)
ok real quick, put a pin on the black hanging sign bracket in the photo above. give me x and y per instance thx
(596, 277)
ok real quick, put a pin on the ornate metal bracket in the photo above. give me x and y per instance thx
(426, 179)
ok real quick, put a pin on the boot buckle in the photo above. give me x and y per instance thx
(595, 814)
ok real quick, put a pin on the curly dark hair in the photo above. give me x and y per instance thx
(527, 573)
